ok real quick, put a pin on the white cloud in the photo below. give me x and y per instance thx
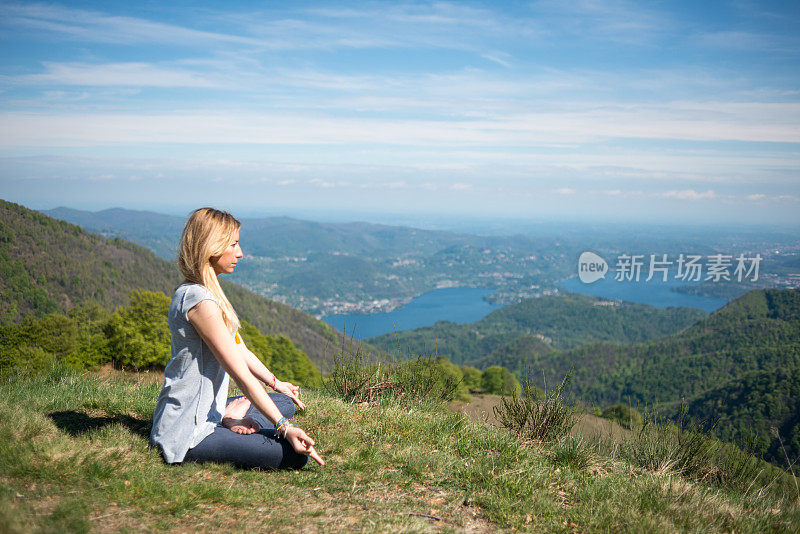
(116, 74)
(94, 26)
(689, 194)
(322, 183)
(564, 191)
(496, 59)
(764, 122)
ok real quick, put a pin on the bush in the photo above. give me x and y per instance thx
(499, 381)
(76, 339)
(472, 377)
(354, 375)
(138, 334)
(537, 416)
(659, 445)
(357, 377)
(624, 415)
(429, 378)
(26, 360)
(281, 356)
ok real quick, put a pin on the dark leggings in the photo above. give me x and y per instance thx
(260, 449)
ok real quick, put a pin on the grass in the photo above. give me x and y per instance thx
(537, 415)
(74, 457)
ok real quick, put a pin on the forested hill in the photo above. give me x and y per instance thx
(563, 321)
(47, 265)
(739, 364)
(156, 231)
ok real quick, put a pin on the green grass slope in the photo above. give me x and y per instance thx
(76, 459)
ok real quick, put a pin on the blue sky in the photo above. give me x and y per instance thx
(641, 111)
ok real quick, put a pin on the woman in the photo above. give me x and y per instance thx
(194, 420)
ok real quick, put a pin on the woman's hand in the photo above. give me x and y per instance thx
(291, 391)
(303, 444)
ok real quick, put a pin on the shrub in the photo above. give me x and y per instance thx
(76, 339)
(429, 378)
(537, 416)
(138, 334)
(358, 377)
(354, 375)
(659, 445)
(25, 360)
(472, 377)
(281, 356)
(499, 381)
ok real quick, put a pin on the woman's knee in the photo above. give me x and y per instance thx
(284, 403)
(294, 461)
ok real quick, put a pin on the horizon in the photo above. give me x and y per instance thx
(614, 112)
(464, 223)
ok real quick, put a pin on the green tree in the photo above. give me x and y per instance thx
(472, 377)
(138, 334)
(499, 380)
(279, 354)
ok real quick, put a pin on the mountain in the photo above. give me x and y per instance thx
(508, 355)
(49, 265)
(564, 321)
(156, 231)
(747, 410)
(279, 236)
(739, 364)
(325, 268)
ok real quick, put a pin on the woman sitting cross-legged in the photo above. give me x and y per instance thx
(194, 419)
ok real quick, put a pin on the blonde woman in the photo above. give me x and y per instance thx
(194, 419)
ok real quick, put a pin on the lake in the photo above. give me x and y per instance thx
(456, 304)
(656, 293)
(466, 305)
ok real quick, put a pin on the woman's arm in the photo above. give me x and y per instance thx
(206, 318)
(261, 372)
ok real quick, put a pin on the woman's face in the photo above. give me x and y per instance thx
(227, 262)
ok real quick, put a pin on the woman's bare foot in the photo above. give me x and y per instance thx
(235, 420)
(240, 426)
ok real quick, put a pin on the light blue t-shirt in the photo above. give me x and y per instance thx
(192, 401)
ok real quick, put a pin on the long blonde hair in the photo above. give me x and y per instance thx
(207, 234)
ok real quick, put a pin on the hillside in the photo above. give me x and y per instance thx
(748, 408)
(508, 355)
(76, 460)
(49, 265)
(739, 364)
(567, 320)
